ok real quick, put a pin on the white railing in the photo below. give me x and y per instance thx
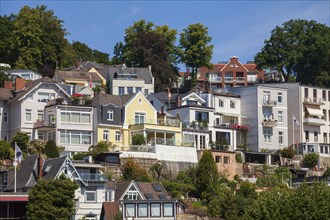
(229, 79)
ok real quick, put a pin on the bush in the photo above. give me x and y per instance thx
(238, 158)
(51, 150)
(138, 139)
(288, 152)
(78, 157)
(310, 160)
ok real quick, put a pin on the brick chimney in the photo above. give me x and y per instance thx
(39, 166)
(8, 85)
(19, 83)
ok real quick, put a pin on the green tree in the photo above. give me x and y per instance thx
(288, 152)
(70, 56)
(177, 189)
(52, 199)
(6, 30)
(133, 171)
(138, 139)
(22, 140)
(196, 51)
(6, 151)
(82, 50)
(298, 48)
(118, 52)
(102, 146)
(37, 146)
(156, 170)
(327, 172)
(51, 149)
(206, 172)
(310, 160)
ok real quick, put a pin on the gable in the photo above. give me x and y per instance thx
(193, 97)
(132, 192)
(234, 66)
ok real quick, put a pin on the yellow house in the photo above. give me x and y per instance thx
(119, 118)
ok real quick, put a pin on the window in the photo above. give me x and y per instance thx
(40, 135)
(45, 96)
(139, 118)
(196, 140)
(129, 90)
(324, 114)
(267, 113)
(138, 89)
(149, 196)
(191, 102)
(321, 149)
(232, 104)
(90, 196)
(28, 115)
(118, 136)
(202, 141)
(75, 117)
(110, 115)
(324, 95)
(307, 136)
(266, 96)
(30, 97)
(221, 104)
(105, 135)
(155, 210)
(121, 91)
(168, 210)
(226, 160)
(202, 116)
(129, 210)
(108, 195)
(325, 140)
(156, 187)
(314, 93)
(85, 118)
(326, 150)
(279, 97)
(218, 159)
(40, 115)
(328, 96)
(5, 116)
(142, 210)
(280, 116)
(267, 136)
(280, 137)
(132, 194)
(306, 93)
(316, 136)
(146, 92)
(329, 115)
(75, 137)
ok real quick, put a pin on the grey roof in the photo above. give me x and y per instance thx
(143, 73)
(116, 100)
(20, 71)
(30, 86)
(5, 94)
(27, 175)
(78, 75)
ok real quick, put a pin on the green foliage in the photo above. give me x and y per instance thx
(288, 152)
(306, 202)
(6, 151)
(238, 158)
(195, 51)
(102, 146)
(78, 157)
(138, 139)
(156, 170)
(52, 199)
(310, 160)
(177, 189)
(206, 172)
(327, 172)
(298, 48)
(133, 171)
(268, 180)
(51, 149)
(37, 146)
(118, 53)
(22, 140)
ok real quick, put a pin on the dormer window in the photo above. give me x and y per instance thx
(191, 102)
(110, 115)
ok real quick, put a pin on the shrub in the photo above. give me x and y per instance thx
(51, 150)
(288, 152)
(138, 139)
(310, 160)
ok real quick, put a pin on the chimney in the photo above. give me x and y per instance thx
(178, 101)
(39, 167)
(19, 83)
(162, 110)
(8, 85)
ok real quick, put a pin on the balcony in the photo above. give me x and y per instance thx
(252, 79)
(269, 123)
(314, 121)
(44, 125)
(93, 177)
(229, 79)
(162, 122)
(268, 103)
(161, 141)
(215, 79)
(313, 101)
(240, 79)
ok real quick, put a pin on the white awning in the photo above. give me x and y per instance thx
(234, 115)
(314, 112)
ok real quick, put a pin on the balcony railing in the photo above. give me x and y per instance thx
(269, 123)
(40, 124)
(313, 101)
(229, 79)
(88, 177)
(314, 121)
(215, 79)
(240, 79)
(269, 103)
(162, 122)
(162, 141)
(252, 79)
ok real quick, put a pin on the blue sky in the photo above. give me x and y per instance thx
(237, 28)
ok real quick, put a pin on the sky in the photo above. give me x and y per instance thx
(237, 28)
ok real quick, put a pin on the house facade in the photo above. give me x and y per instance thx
(24, 74)
(265, 111)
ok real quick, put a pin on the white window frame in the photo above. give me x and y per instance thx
(232, 104)
(168, 209)
(267, 136)
(154, 206)
(91, 192)
(129, 208)
(118, 136)
(121, 92)
(70, 119)
(221, 103)
(142, 211)
(28, 114)
(106, 134)
(110, 115)
(141, 118)
(280, 137)
(280, 116)
(280, 97)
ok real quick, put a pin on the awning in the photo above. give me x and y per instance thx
(314, 112)
(234, 115)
